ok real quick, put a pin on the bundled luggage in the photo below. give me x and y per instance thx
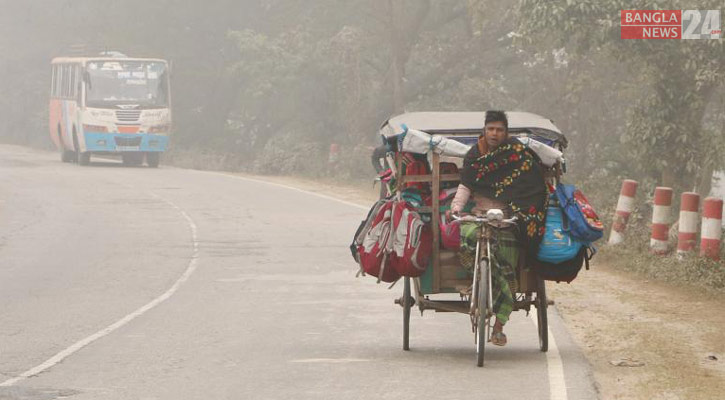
(393, 241)
(572, 226)
(410, 244)
(584, 222)
(371, 240)
(557, 245)
(564, 271)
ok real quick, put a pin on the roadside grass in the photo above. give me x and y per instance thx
(635, 256)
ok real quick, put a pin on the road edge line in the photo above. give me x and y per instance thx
(67, 352)
(554, 365)
(281, 185)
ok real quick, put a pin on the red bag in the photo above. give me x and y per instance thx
(411, 242)
(450, 234)
(417, 168)
(373, 240)
(450, 231)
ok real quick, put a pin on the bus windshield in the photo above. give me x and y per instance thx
(113, 82)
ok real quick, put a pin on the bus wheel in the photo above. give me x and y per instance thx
(77, 154)
(67, 155)
(84, 158)
(153, 159)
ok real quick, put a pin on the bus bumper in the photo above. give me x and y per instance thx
(125, 142)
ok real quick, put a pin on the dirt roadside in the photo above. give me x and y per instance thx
(668, 342)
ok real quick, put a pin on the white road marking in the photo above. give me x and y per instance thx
(62, 355)
(555, 366)
(329, 360)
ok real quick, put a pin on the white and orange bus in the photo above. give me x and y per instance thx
(110, 105)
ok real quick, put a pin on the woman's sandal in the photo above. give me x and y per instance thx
(498, 338)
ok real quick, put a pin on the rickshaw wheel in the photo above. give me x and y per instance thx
(482, 323)
(543, 321)
(407, 304)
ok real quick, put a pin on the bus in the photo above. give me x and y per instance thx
(110, 105)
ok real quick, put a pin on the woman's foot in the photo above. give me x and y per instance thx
(497, 336)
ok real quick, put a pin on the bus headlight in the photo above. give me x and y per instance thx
(158, 128)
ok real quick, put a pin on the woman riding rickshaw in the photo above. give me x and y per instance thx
(501, 173)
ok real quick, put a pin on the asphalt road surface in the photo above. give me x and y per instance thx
(138, 283)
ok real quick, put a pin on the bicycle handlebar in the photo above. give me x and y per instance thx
(483, 219)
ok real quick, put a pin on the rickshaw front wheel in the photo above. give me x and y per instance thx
(482, 323)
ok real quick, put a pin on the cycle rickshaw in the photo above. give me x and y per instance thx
(445, 274)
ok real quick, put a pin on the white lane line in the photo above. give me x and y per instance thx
(557, 384)
(555, 366)
(62, 355)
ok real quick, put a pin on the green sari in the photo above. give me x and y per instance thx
(505, 249)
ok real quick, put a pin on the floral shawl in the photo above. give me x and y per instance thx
(512, 174)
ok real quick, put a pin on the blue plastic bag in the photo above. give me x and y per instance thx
(557, 245)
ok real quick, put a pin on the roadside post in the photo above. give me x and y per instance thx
(711, 228)
(625, 204)
(687, 231)
(661, 218)
(334, 155)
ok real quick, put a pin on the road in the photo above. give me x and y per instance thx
(138, 283)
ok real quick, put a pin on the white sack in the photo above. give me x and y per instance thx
(420, 142)
(548, 155)
(451, 148)
(416, 142)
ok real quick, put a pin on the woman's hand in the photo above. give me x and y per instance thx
(450, 213)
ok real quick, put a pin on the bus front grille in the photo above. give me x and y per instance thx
(128, 115)
(127, 141)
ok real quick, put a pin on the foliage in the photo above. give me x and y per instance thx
(635, 256)
(248, 72)
(665, 129)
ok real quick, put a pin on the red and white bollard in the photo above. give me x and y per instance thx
(711, 228)
(687, 234)
(334, 155)
(661, 215)
(625, 205)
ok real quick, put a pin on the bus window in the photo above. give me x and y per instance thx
(66, 81)
(52, 80)
(143, 83)
(62, 81)
(72, 82)
(79, 84)
(58, 79)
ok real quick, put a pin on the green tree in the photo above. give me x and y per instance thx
(665, 132)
